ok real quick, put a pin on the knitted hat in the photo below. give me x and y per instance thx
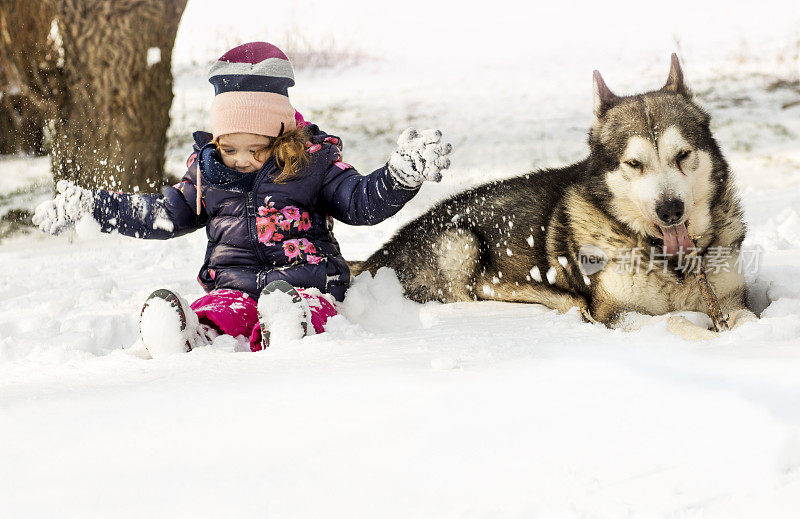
(251, 85)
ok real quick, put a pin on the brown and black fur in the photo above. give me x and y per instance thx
(487, 243)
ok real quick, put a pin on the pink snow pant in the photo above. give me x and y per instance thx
(235, 313)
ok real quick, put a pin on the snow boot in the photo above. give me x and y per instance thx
(283, 314)
(167, 325)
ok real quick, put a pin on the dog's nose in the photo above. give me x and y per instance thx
(670, 211)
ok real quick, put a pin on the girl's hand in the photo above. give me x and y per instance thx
(70, 204)
(419, 157)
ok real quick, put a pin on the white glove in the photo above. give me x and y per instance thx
(70, 204)
(419, 157)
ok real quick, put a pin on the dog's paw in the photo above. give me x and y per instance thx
(740, 317)
(680, 325)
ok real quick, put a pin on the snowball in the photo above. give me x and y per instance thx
(87, 227)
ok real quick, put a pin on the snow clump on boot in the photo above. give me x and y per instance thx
(168, 326)
(282, 317)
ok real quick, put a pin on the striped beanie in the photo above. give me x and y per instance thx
(251, 85)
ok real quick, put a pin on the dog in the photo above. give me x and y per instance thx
(655, 186)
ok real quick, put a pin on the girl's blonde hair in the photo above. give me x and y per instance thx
(289, 150)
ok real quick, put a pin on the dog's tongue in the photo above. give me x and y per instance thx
(676, 239)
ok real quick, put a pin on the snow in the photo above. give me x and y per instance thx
(55, 37)
(25, 171)
(378, 305)
(404, 410)
(161, 329)
(283, 318)
(153, 56)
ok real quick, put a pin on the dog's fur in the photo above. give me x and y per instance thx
(518, 239)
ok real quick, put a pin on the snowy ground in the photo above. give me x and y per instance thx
(400, 410)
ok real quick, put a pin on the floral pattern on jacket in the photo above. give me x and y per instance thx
(273, 226)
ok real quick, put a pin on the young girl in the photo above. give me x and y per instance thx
(265, 185)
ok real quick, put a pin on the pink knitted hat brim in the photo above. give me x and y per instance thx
(261, 113)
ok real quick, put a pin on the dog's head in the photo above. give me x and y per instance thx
(659, 164)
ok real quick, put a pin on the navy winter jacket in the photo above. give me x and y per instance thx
(259, 231)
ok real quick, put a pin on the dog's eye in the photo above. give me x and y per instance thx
(682, 155)
(635, 164)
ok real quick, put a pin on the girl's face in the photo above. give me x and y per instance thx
(243, 152)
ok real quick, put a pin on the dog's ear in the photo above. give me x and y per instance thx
(604, 98)
(675, 83)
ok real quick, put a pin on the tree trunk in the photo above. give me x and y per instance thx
(26, 60)
(111, 130)
(22, 126)
(31, 127)
(9, 137)
(101, 76)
